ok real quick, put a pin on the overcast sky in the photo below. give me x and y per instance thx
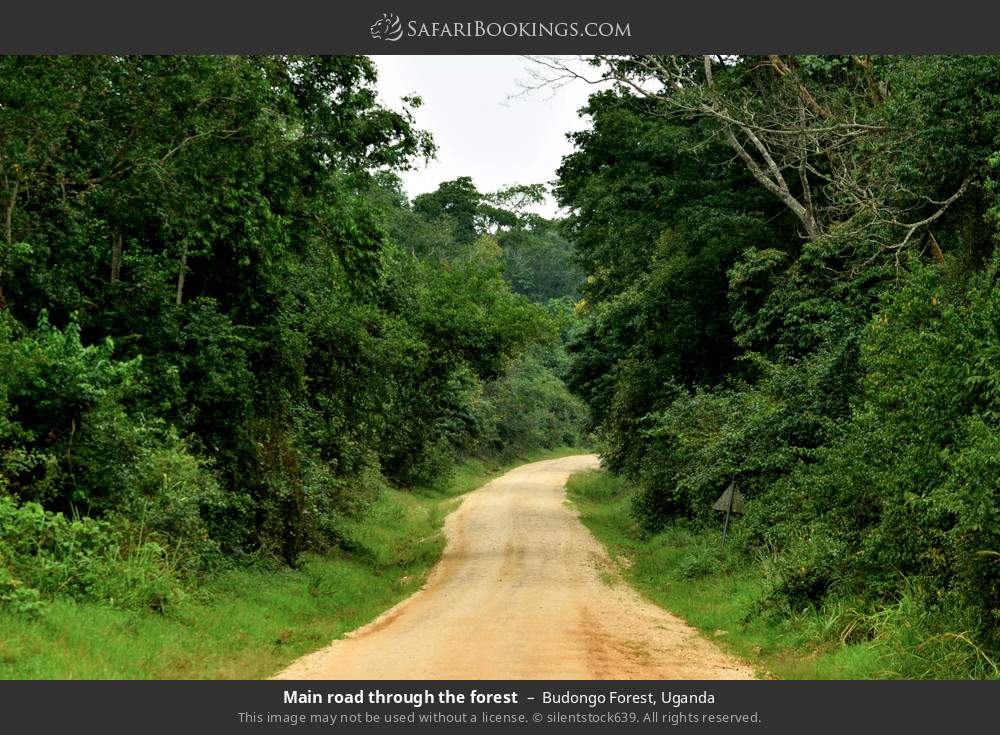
(479, 130)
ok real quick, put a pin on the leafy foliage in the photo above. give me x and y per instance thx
(839, 368)
(224, 329)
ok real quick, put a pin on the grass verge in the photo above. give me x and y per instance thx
(249, 623)
(685, 571)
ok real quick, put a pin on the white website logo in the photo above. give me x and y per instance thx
(387, 28)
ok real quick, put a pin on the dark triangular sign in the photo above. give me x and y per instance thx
(731, 500)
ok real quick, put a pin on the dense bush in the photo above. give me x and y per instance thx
(45, 553)
(908, 483)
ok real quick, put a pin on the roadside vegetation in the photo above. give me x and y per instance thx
(247, 621)
(720, 590)
(232, 350)
(792, 285)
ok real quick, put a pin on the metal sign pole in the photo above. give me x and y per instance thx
(730, 502)
(725, 523)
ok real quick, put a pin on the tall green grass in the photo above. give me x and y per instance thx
(248, 622)
(685, 570)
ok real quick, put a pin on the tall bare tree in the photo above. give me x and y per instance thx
(807, 129)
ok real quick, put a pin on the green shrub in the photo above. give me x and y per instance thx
(755, 435)
(45, 555)
(17, 596)
(698, 563)
(51, 387)
(905, 494)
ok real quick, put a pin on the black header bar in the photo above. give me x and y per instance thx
(513, 26)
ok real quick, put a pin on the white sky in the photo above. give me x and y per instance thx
(479, 129)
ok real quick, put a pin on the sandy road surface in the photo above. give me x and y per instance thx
(523, 591)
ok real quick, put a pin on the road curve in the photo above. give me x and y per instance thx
(523, 591)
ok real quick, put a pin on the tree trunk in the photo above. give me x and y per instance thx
(935, 248)
(8, 234)
(180, 275)
(9, 214)
(116, 258)
(768, 174)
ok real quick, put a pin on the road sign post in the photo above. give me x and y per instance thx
(731, 501)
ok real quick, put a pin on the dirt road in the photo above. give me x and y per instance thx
(523, 591)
